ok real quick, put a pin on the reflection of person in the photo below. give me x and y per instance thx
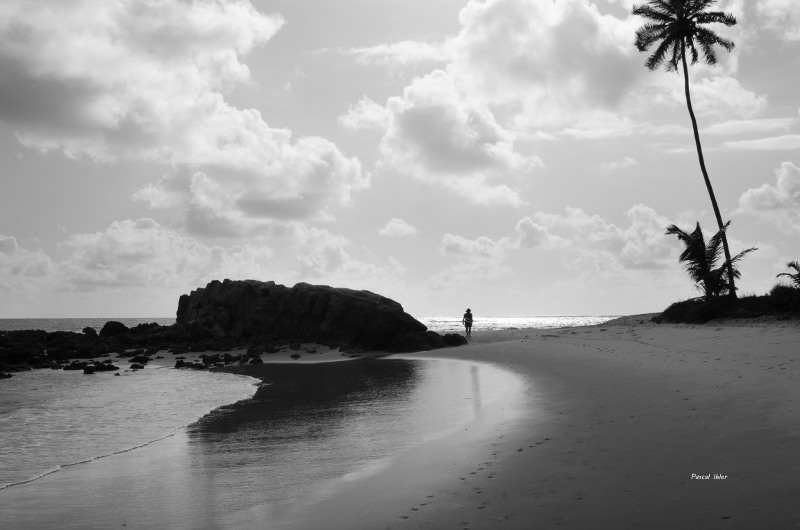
(467, 321)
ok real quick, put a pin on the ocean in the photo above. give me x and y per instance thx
(161, 447)
(440, 324)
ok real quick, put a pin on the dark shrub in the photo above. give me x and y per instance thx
(784, 298)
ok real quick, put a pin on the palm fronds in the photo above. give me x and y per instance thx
(678, 26)
(794, 277)
(701, 259)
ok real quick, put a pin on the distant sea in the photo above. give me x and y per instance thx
(166, 448)
(440, 324)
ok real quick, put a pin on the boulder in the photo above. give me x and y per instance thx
(303, 313)
(112, 327)
(454, 339)
(411, 342)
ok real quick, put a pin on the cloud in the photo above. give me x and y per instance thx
(134, 80)
(781, 16)
(786, 142)
(778, 203)
(600, 244)
(534, 235)
(723, 96)
(764, 125)
(366, 114)
(141, 253)
(397, 227)
(403, 53)
(323, 256)
(442, 137)
(20, 268)
(625, 162)
(527, 50)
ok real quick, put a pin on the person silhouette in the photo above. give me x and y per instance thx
(467, 321)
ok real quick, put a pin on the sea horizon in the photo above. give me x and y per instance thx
(438, 323)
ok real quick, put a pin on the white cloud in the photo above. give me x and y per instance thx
(616, 165)
(129, 255)
(781, 16)
(764, 125)
(442, 137)
(534, 235)
(787, 142)
(397, 227)
(778, 203)
(600, 244)
(401, 53)
(323, 256)
(723, 96)
(527, 50)
(148, 81)
(21, 269)
(366, 114)
(141, 253)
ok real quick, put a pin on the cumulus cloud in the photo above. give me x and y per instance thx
(21, 268)
(129, 255)
(529, 51)
(778, 203)
(781, 16)
(323, 255)
(148, 81)
(366, 114)
(142, 253)
(602, 245)
(397, 227)
(440, 136)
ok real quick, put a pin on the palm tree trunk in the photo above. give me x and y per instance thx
(731, 286)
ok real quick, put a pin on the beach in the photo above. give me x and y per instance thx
(626, 424)
(629, 424)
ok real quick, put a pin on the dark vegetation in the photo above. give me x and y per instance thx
(781, 303)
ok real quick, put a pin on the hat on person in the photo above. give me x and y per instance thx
(468, 310)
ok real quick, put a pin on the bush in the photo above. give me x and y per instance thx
(784, 299)
(781, 299)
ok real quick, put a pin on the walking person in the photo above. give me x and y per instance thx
(467, 321)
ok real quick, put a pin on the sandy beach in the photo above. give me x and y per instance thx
(625, 425)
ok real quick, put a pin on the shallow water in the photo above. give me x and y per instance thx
(308, 430)
(50, 419)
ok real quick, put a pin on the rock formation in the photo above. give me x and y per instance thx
(310, 313)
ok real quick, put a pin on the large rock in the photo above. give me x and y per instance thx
(313, 313)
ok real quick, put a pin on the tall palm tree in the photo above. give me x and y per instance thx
(795, 277)
(701, 259)
(678, 26)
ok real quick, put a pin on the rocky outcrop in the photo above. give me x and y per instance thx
(312, 313)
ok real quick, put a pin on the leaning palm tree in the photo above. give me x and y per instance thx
(701, 260)
(795, 277)
(678, 26)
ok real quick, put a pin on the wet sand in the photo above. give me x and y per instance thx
(625, 425)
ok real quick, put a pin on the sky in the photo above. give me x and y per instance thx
(511, 156)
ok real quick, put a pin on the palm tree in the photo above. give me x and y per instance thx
(701, 260)
(678, 26)
(795, 277)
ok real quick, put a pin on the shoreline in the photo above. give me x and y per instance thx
(628, 422)
(618, 422)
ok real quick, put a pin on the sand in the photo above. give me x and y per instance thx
(625, 425)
